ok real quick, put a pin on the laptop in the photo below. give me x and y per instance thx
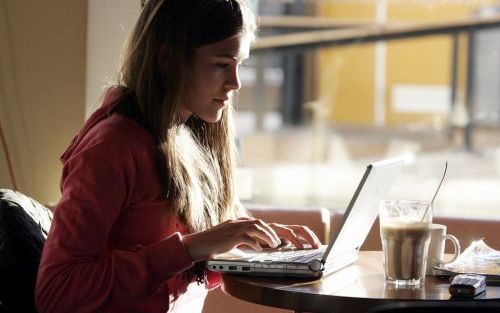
(358, 219)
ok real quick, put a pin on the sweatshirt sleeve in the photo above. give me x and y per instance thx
(214, 279)
(78, 272)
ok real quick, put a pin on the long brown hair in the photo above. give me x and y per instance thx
(197, 159)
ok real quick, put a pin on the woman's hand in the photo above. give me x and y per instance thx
(245, 231)
(228, 235)
(296, 234)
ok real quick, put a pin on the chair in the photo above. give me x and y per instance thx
(455, 306)
(24, 225)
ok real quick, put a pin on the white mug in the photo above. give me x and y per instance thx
(436, 247)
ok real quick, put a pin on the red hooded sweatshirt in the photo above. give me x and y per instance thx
(112, 247)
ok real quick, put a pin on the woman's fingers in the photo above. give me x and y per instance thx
(289, 234)
(294, 233)
(251, 242)
(269, 230)
(259, 229)
(308, 235)
(263, 233)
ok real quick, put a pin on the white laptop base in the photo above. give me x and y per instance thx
(313, 268)
(342, 250)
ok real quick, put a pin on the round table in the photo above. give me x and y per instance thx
(355, 288)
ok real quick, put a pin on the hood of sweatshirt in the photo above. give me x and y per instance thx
(112, 98)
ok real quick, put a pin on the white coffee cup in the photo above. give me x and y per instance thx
(436, 247)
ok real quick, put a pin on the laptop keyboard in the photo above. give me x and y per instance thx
(299, 256)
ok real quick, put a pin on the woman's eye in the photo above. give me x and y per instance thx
(222, 65)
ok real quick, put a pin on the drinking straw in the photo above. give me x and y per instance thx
(435, 194)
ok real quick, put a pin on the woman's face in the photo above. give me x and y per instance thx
(212, 77)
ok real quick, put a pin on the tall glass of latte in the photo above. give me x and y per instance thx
(405, 229)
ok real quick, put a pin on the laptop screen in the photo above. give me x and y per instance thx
(362, 210)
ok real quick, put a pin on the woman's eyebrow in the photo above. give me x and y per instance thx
(238, 58)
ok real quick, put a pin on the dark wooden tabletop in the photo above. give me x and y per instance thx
(356, 288)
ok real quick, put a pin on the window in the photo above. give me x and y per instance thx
(311, 117)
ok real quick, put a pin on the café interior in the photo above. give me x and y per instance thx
(331, 86)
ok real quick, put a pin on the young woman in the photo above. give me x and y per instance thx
(147, 184)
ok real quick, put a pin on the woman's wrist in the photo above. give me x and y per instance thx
(190, 242)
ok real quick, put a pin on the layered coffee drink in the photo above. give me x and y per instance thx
(405, 247)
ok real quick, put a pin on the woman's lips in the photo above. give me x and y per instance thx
(221, 102)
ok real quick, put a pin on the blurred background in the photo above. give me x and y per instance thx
(310, 118)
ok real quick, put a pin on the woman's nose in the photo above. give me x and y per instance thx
(233, 80)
